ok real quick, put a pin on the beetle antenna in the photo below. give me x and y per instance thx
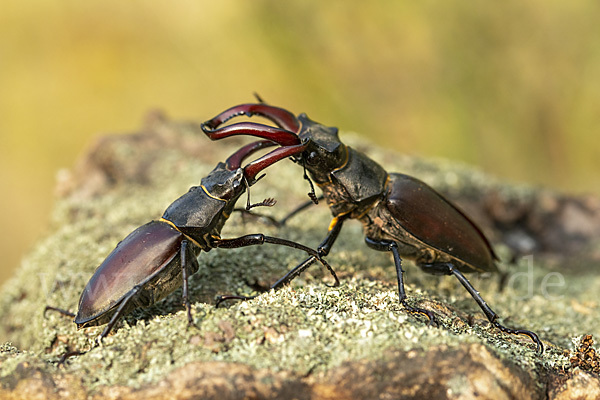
(312, 193)
(258, 98)
(268, 202)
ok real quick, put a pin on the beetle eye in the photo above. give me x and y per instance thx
(311, 158)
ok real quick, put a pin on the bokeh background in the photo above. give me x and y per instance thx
(511, 86)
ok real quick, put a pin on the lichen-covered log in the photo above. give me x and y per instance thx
(307, 341)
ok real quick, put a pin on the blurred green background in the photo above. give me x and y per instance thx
(512, 86)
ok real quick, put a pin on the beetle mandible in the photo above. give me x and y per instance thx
(158, 257)
(399, 213)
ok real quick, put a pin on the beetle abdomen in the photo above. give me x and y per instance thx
(431, 218)
(136, 260)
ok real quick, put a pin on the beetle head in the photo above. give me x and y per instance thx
(228, 180)
(224, 183)
(324, 151)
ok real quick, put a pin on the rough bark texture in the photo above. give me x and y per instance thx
(307, 341)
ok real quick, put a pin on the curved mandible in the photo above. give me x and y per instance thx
(280, 136)
(235, 160)
(252, 169)
(279, 116)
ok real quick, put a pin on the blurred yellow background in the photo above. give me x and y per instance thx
(512, 86)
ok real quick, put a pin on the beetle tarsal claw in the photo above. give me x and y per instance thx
(200, 318)
(531, 335)
(223, 297)
(416, 310)
(67, 355)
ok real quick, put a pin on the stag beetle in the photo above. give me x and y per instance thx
(399, 213)
(158, 257)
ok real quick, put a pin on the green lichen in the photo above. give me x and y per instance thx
(306, 328)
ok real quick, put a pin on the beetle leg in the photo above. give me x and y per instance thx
(296, 271)
(385, 245)
(223, 297)
(489, 313)
(313, 197)
(259, 238)
(335, 227)
(62, 311)
(186, 258)
(122, 308)
(323, 250)
(301, 207)
(68, 355)
(287, 278)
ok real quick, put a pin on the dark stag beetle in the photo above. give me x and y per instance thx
(399, 213)
(159, 256)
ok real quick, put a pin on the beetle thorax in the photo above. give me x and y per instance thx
(337, 198)
(201, 213)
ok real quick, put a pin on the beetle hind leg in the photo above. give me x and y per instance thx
(489, 313)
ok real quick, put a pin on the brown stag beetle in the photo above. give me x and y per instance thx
(399, 213)
(159, 256)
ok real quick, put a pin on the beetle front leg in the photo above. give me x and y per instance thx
(335, 227)
(258, 239)
(323, 250)
(385, 245)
